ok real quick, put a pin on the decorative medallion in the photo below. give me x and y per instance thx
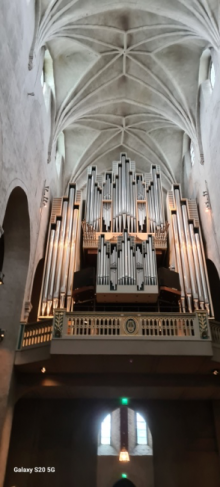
(130, 326)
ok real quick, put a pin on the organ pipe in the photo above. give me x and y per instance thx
(126, 263)
(66, 253)
(60, 262)
(60, 256)
(186, 242)
(129, 200)
(183, 252)
(52, 273)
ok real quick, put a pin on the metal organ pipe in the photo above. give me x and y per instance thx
(92, 195)
(190, 258)
(88, 196)
(157, 218)
(160, 201)
(66, 253)
(72, 258)
(47, 275)
(205, 291)
(127, 190)
(178, 259)
(185, 266)
(60, 256)
(53, 267)
(197, 266)
(127, 264)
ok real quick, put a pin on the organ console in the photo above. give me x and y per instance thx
(124, 224)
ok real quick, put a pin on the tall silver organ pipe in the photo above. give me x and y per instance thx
(155, 200)
(67, 243)
(93, 200)
(60, 261)
(129, 200)
(187, 244)
(126, 263)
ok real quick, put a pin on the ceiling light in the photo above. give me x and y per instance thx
(2, 334)
(43, 370)
(2, 278)
(124, 455)
(215, 372)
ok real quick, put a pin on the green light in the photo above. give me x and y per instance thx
(124, 401)
(124, 476)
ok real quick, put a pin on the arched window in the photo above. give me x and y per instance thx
(212, 74)
(47, 79)
(192, 153)
(60, 153)
(141, 428)
(106, 431)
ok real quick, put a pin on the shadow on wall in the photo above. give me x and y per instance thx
(35, 296)
(15, 261)
(214, 282)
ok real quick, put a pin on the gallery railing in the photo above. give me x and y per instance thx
(146, 326)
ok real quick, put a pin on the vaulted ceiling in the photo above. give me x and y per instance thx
(126, 78)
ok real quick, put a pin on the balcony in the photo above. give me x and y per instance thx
(99, 333)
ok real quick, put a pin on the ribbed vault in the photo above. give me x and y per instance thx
(126, 78)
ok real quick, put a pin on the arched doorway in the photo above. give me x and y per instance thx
(124, 483)
(15, 251)
(16, 227)
(35, 296)
(214, 283)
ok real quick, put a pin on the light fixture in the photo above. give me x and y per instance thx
(124, 455)
(1, 278)
(43, 370)
(2, 334)
(124, 476)
(215, 372)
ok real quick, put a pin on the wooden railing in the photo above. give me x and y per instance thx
(144, 326)
(148, 326)
(34, 334)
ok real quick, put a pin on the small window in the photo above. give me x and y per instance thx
(106, 431)
(192, 153)
(212, 74)
(141, 430)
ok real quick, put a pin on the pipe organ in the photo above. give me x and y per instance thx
(187, 253)
(62, 255)
(125, 199)
(125, 268)
(125, 211)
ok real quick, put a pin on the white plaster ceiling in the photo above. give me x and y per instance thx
(126, 78)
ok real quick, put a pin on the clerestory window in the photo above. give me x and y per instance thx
(141, 428)
(106, 431)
